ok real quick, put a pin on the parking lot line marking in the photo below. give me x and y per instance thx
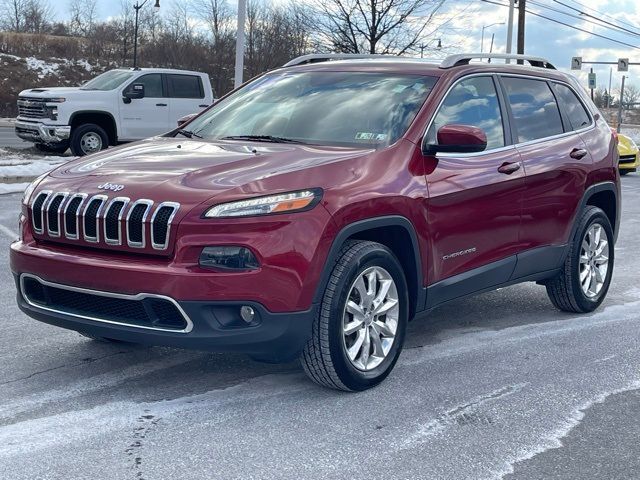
(8, 232)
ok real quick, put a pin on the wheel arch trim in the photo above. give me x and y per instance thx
(371, 224)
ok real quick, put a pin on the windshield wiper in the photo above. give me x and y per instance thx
(188, 133)
(262, 138)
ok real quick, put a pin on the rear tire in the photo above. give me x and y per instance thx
(359, 330)
(583, 283)
(88, 138)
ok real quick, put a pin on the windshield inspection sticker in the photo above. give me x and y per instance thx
(370, 136)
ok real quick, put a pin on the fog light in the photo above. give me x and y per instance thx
(228, 258)
(247, 313)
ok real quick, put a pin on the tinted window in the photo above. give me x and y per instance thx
(578, 115)
(534, 108)
(471, 102)
(325, 108)
(185, 86)
(152, 85)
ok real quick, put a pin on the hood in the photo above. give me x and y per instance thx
(626, 146)
(160, 167)
(47, 92)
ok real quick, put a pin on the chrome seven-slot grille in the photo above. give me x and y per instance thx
(31, 107)
(118, 221)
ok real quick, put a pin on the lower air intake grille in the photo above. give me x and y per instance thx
(149, 312)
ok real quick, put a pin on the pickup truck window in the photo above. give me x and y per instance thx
(152, 85)
(108, 80)
(323, 108)
(185, 86)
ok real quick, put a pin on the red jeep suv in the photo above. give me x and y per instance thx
(320, 207)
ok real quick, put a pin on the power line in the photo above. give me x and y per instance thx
(603, 14)
(569, 25)
(599, 19)
(583, 19)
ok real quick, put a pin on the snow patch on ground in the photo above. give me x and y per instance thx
(24, 166)
(554, 439)
(42, 67)
(13, 187)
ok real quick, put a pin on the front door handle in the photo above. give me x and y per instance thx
(508, 168)
(578, 153)
(161, 104)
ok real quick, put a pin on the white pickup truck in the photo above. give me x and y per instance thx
(118, 106)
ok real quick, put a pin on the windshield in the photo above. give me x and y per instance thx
(323, 108)
(108, 80)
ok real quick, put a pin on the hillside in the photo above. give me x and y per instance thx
(19, 73)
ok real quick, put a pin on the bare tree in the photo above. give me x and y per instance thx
(375, 26)
(631, 96)
(83, 16)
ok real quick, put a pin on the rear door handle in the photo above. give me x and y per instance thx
(508, 168)
(578, 153)
(161, 104)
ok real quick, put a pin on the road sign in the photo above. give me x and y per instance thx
(623, 64)
(576, 63)
(592, 81)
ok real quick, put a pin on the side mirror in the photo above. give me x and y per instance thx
(186, 119)
(458, 139)
(134, 92)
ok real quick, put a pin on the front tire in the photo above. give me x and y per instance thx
(583, 283)
(360, 327)
(88, 138)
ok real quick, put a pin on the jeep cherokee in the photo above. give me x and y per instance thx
(320, 207)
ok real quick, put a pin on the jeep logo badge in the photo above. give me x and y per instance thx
(114, 187)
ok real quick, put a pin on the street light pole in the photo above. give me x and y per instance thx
(482, 38)
(137, 8)
(242, 14)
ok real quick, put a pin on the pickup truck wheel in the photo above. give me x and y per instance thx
(584, 280)
(88, 138)
(58, 148)
(360, 327)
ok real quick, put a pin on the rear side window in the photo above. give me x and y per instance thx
(578, 115)
(185, 86)
(474, 102)
(534, 108)
(152, 85)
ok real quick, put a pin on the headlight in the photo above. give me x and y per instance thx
(282, 203)
(55, 100)
(26, 197)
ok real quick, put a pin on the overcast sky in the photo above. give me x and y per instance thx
(543, 37)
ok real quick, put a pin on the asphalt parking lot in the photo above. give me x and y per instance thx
(497, 386)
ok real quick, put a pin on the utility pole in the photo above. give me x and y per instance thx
(609, 91)
(510, 27)
(242, 15)
(620, 106)
(521, 13)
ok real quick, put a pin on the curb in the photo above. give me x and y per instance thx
(21, 179)
(7, 122)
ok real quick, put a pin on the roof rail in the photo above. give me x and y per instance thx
(325, 57)
(465, 58)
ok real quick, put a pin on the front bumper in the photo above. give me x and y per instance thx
(212, 326)
(41, 133)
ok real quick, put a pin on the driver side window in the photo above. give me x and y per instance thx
(152, 85)
(471, 102)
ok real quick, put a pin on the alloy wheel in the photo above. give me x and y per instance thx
(594, 260)
(370, 318)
